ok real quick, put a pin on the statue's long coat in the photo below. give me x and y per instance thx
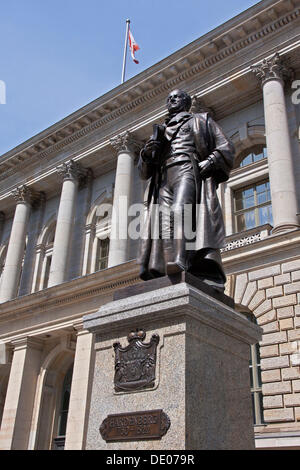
(210, 140)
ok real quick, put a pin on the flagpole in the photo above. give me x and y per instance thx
(125, 51)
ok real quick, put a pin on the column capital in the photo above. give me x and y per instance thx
(71, 170)
(27, 342)
(24, 194)
(79, 328)
(273, 68)
(126, 142)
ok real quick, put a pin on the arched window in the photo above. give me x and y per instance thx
(48, 250)
(250, 144)
(97, 238)
(53, 395)
(253, 155)
(59, 440)
(103, 224)
(44, 252)
(65, 399)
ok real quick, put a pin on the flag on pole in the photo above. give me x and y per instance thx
(133, 46)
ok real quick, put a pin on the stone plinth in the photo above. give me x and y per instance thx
(202, 369)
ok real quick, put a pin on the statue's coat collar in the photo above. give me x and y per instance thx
(179, 117)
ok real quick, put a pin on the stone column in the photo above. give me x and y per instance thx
(71, 172)
(80, 391)
(15, 251)
(272, 73)
(127, 148)
(19, 402)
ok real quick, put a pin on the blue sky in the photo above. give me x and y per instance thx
(58, 55)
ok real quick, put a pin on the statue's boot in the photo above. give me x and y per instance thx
(178, 264)
(207, 266)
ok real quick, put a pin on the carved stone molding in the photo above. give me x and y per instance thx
(126, 143)
(73, 171)
(273, 68)
(251, 236)
(27, 342)
(24, 194)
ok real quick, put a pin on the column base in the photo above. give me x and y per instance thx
(201, 382)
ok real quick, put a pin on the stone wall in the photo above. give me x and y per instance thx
(272, 294)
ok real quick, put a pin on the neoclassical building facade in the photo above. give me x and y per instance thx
(62, 255)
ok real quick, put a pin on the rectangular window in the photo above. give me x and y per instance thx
(255, 379)
(102, 254)
(252, 206)
(256, 384)
(47, 272)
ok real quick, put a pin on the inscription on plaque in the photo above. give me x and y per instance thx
(135, 364)
(135, 426)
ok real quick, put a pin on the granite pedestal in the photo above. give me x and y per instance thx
(202, 378)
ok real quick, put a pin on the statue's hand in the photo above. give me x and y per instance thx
(151, 146)
(206, 167)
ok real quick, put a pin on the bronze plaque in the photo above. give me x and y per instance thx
(135, 364)
(135, 426)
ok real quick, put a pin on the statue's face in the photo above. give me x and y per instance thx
(176, 102)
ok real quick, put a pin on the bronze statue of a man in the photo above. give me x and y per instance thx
(185, 160)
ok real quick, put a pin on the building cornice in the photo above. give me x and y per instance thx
(97, 284)
(251, 26)
(102, 284)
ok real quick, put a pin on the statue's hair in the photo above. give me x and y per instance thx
(187, 98)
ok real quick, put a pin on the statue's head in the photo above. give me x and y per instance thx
(177, 101)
